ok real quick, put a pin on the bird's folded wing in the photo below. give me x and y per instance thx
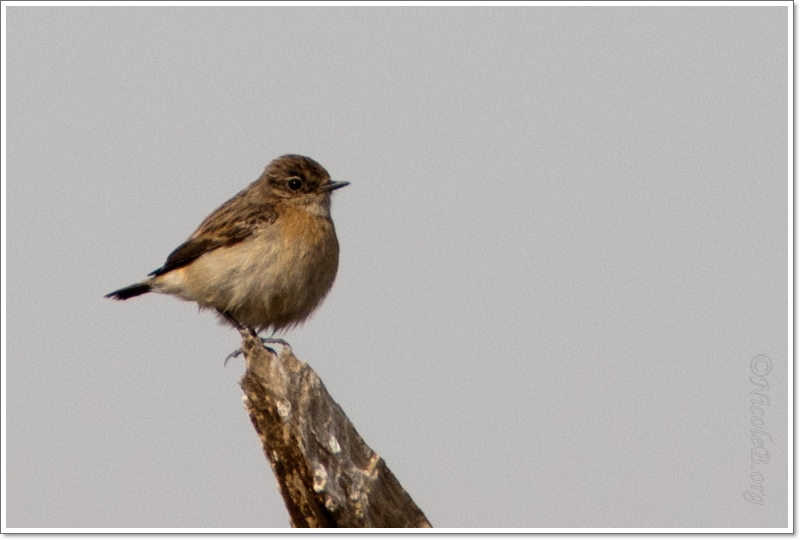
(231, 223)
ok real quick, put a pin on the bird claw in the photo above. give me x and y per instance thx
(235, 354)
(264, 341)
(238, 352)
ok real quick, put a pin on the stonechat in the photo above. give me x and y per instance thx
(265, 259)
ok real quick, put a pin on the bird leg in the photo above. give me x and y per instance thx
(235, 354)
(228, 317)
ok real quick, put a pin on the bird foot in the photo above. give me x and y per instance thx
(264, 341)
(235, 354)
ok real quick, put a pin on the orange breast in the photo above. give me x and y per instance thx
(299, 228)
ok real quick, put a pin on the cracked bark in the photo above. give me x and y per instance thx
(327, 474)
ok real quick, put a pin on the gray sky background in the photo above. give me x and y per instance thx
(564, 242)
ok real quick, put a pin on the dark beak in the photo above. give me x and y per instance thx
(333, 185)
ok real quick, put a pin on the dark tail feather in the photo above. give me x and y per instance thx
(129, 292)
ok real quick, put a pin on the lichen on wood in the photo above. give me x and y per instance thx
(326, 473)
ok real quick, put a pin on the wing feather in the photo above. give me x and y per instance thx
(229, 224)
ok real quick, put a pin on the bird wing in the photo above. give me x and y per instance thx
(229, 224)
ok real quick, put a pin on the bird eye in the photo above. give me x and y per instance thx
(295, 184)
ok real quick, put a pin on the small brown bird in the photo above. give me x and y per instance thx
(265, 259)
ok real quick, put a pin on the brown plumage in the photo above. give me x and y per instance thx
(266, 258)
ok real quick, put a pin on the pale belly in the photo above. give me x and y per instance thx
(270, 280)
